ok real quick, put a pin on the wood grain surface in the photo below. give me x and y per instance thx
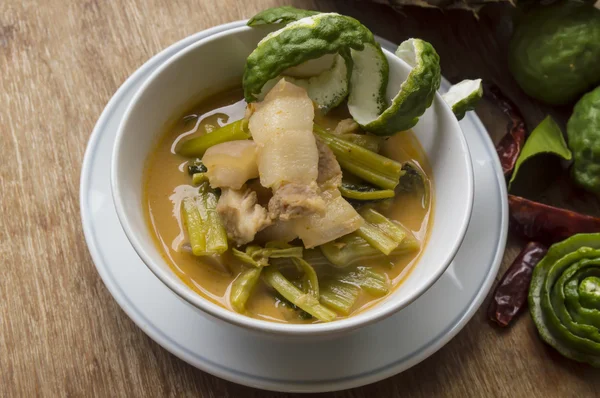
(61, 333)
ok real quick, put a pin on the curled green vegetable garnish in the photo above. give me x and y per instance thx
(195, 147)
(242, 288)
(370, 166)
(564, 298)
(306, 301)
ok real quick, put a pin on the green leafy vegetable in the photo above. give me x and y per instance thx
(197, 167)
(299, 312)
(413, 180)
(358, 191)
(545, 138)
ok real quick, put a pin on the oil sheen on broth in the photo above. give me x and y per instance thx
(167, 182)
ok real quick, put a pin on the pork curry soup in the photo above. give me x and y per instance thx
(279, 212)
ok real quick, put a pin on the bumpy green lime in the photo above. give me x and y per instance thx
(315, 36)
(555, 52)
(300, 41)
(583, 131)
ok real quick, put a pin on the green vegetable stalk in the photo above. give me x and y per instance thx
(312, 256)
(305, 301)
(370, 166)
(196, 147)
(311, 281)
(242, 288)
(380, 232)
(564, 298)
(205, 230)
(338, 295)
(352, 249)
(259, 257)
(371, 281)
(370, 142)
(194, 225)
(583, 131)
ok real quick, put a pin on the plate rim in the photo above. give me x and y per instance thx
(233, 375)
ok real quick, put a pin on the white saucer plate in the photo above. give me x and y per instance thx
(365, 356)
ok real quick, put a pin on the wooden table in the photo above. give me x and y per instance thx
(60, 330)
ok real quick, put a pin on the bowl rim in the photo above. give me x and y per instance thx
(364, 318)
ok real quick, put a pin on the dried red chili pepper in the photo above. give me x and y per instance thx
(547, 224)
(511, 293)
(510, 145)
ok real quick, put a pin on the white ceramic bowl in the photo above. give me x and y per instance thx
(206, 67)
